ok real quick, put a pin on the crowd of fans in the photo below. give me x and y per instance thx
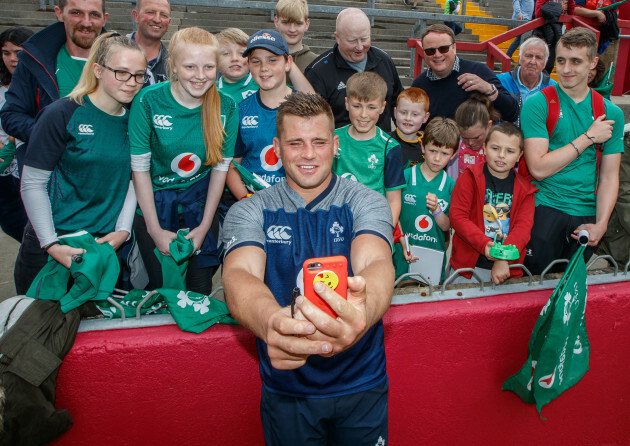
(127, 150)
(233, 84)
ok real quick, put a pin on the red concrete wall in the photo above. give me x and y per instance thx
(446, 363)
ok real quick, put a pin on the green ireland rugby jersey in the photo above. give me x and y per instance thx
(173, 134)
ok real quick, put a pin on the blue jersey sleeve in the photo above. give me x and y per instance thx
(394, 176)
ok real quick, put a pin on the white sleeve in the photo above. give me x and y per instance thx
(125, 218)
(37, 204)
(141, 163)
(224, 165)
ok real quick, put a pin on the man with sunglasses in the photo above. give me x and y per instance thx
(449, 80)
(50, 65)
(353, 53)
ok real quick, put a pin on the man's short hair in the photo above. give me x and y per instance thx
(414, 95)
(532, 41)
(292, 10)
(64, 3)
(233, 35)
(509, 129)
(441, 132)
(440, 29)
(303, 105)
(139, 4)
(580, 37)
(366, 86)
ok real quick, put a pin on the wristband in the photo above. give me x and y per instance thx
(592, 140)
(246, 196)
(48, 246)
(437, 213)
(575, 147)
(494, 90)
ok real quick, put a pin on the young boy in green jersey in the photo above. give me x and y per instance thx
(292, 22)
(236, 80)
(424, 215)
(366, 153)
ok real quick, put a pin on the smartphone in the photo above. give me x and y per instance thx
(333, 272)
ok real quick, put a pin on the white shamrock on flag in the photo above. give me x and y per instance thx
(202, 307)
(184, 300)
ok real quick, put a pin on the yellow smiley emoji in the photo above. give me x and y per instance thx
(328, 278)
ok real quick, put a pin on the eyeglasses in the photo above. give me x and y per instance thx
(124, 76)
(442, 49)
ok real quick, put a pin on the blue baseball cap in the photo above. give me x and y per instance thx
(268, 39)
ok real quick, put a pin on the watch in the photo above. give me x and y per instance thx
(494, 89)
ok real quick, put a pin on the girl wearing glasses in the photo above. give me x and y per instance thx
(182, 135)
(77, 170)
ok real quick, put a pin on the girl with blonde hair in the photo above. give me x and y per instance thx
(77, 170)
(182, 135)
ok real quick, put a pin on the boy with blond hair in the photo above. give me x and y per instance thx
(292, 22)
(424, 214)
(411, 112)
(236, 80)
(366, 153)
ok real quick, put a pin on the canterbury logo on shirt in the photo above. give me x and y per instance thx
(410, 199)
(250, 121)
(85, 129)
(279, 234)
(162, 122)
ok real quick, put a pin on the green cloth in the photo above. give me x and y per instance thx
(68, 71)
(252, 181)
(174, 267)
(559, 349)
(195, 312)
(173, 134)
(6, 154)
(572, 189)
(92, 279)
(192, 311)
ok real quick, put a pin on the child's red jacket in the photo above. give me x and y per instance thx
(466, 215)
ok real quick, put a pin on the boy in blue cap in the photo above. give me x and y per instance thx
(269, 62)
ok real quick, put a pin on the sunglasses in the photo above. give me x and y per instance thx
(442, 49)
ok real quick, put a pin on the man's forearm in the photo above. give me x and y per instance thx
(249, 300)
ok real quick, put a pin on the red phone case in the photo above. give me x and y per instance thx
(333, 271)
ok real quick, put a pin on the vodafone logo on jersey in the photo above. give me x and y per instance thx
(186, 164)
(269, 161)
(424, 223)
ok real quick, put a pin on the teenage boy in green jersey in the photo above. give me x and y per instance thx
(427, 194)
(573, 194)
(366, 153)
(236, 81)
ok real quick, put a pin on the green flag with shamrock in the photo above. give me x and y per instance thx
(558, 350)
